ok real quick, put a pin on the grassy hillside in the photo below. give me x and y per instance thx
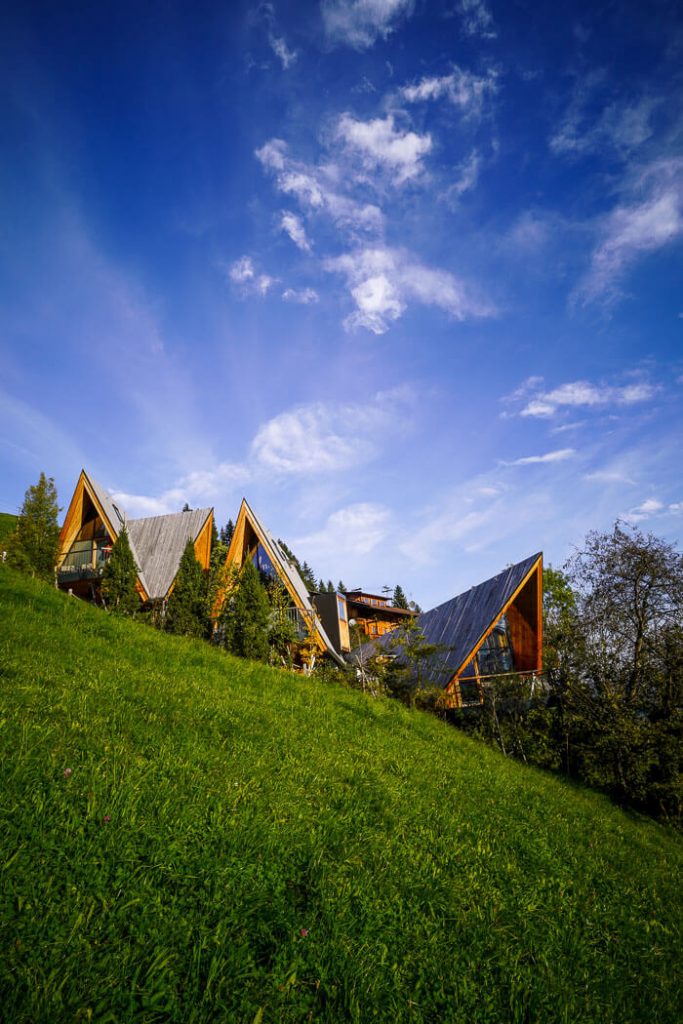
(7, 524)
(190, 838)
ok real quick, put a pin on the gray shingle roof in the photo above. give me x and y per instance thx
(159, 542)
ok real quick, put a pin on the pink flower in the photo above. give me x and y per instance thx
(303, 932)
(106, 819)
(67, 772)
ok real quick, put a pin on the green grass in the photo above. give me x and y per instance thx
(8, 523)
(215, 808)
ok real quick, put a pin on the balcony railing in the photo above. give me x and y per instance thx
(85, 560)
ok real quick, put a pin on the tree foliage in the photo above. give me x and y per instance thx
(609, 712)
(33, 546)
(246, 615)
(187, 613)
(119, 578)
(399, 599)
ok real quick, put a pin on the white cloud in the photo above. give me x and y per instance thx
(316, 190)
(579, 393)
(636, 228)
(560, 455)
(621, 127)
(646, 510)
(292, 226)
(380, 145)
(476, 19)
(242, 270)
(608, 476)
(329, 438)
(199, 488)
(463, 89)
(304, 296)
(468, 175)
(281, 50)
(347, 533)
(359, 23)
(243, 274)
(383, 280)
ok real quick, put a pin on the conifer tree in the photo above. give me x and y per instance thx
(227, 532)
(341, 587)
(282, 633)
(186, 614)
(33, 546)
(119, 578)
(307, 576)
(330, 587)
(246, 616)
(399, 599)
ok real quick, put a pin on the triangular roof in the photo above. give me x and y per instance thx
(460, 626)
(156, 542)
(287, 572)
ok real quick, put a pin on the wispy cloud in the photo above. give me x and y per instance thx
(651, 219)
(303, 296)
(293, 226)
(382, 281)
(281, 50)
(359, 23)
(465, 90)
(559, 455)
(243, 274)
(477, 19)
(329, 437)
(199, 488)
(621, 126)
(468, 175)
(379, 144)
(317, 190)
(347, 533)
(540, 403)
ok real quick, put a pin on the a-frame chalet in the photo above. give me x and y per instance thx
(494, 629)
(251, 540)
(93, 522)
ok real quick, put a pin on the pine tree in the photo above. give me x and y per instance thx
(246, 616)
(33, 546)
(187, 614)
(282, 633)
(227, 532)
(330, 587)
(120, 576)
(308, 576)
(341, 587)
(399, 599)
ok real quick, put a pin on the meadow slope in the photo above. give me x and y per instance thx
(191, 838)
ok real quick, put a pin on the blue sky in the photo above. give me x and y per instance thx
(405, 274)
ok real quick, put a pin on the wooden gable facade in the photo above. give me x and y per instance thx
(251, 540)
(494, 629)
(92, 524)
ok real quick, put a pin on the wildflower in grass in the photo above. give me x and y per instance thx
(303, 932)
(106, 819)
(67, 772)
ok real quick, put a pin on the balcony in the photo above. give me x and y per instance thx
(85, 561)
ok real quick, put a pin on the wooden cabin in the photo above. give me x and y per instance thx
(494, 629)
(374, 613)
(251, 540)
(93, 522)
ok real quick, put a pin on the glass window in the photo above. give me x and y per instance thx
(341, 605)
(495, 654)
(262, 561)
